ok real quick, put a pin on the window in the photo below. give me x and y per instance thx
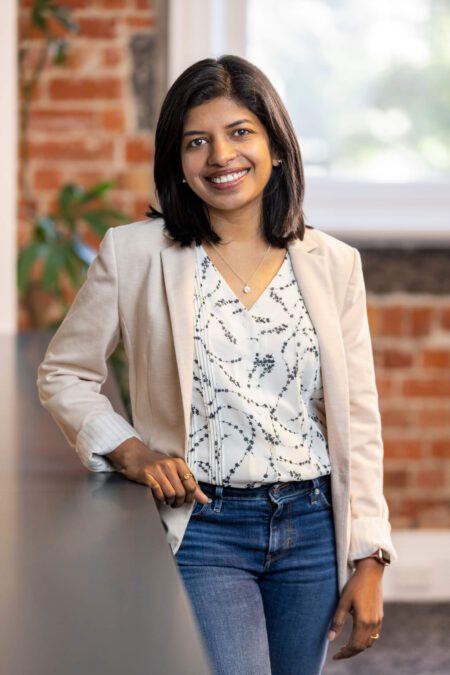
(365, 84)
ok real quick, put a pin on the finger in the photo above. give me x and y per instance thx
(338, 621)
(184, 489)
(163, 489)
(359, 639)
(155, 486)
(193, 489)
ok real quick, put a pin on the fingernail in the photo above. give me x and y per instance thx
(331, 635)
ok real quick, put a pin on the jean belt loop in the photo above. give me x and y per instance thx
(218, 497)
(315, 490)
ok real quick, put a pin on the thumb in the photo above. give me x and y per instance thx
(338, 621)
(200, 496)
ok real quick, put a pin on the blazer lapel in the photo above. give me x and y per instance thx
(315, 285)
(179, 269)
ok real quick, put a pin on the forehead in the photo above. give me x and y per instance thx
(217, 112)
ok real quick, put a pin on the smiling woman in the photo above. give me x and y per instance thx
(219, 118)
(253, 394)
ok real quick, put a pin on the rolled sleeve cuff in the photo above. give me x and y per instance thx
(101, 435)
(368, 535)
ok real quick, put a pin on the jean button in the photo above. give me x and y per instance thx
(317, 491)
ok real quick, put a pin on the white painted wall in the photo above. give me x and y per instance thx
(8, 167)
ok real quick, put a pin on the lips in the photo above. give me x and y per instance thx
(223, 177)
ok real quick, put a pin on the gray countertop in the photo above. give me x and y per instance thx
(88, 583)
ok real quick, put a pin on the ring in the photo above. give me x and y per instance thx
(187, 476)
(375, 637)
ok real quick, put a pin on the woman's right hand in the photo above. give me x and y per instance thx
(163, 473)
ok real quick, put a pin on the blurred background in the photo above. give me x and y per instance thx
(367, 85)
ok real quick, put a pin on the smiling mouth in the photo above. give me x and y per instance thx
(228, 178)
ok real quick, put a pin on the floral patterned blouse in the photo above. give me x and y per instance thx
(258, 413)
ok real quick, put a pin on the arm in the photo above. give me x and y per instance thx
(75, 366)
(370, 528)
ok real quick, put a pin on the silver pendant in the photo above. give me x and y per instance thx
(247, 289)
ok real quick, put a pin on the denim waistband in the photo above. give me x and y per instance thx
(287, 487)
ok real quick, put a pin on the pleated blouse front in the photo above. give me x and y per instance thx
(257, 412)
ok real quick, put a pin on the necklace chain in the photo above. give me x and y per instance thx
(247, 288)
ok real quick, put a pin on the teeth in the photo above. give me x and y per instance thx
(229, 177)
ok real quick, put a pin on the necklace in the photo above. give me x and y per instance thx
(247, 288)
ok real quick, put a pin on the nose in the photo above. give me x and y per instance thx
(221, 152)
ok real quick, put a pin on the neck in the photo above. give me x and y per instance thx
(242, 226)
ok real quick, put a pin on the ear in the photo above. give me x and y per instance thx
(276, 161)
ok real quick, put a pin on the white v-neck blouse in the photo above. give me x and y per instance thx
(257, 413)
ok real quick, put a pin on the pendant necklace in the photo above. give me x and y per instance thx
(247, 288)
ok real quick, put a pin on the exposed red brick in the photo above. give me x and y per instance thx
(47, 179)
(375, 320)
(395, 477)
(436, 358)
(112, 56)
(85, 89)
(98, 28)
(429, 478)
(114, 4)
(420, 320)
(441, 448)
(430, 387)
(402, 448)
(396, 358)
(62, 120)
(393, 320)
(140, 206)
(143, 4)
(139, 150)
(385, 385)
(140, 22)
(436, 417)
(113, 119)
(397, 418)
(445, 317)
(82, 149)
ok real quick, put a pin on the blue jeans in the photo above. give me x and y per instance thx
(259, 567)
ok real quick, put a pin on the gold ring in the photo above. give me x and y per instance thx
(375, 637)
(187, 476)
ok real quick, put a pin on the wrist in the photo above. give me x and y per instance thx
(121, 455)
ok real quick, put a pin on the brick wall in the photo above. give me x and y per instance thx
(86, 122)
(411, 342)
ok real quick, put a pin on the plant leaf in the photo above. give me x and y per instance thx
(97, 190)
(26, 259)
(54, 261)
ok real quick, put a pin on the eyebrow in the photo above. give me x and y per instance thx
(228, 126)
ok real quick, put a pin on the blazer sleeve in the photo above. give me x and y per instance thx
(74, 368)
(370, 527)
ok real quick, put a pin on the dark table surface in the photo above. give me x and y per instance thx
(88, 583)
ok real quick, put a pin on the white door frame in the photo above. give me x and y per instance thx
(8, 168)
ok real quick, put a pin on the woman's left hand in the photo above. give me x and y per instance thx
(363, 598)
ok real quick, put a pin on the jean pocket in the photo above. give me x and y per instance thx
(325, 495)
(199, 508)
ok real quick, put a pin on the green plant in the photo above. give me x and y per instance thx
(58, 241)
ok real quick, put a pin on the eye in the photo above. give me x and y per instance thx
(246, 131)
(193, 143)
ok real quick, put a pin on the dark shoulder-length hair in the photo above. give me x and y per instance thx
(186, 218)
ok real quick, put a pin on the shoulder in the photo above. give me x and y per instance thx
(339, 255)
(148, 233)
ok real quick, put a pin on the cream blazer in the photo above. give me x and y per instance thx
(140, 289)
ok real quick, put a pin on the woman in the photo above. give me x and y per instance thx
(255, 414)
